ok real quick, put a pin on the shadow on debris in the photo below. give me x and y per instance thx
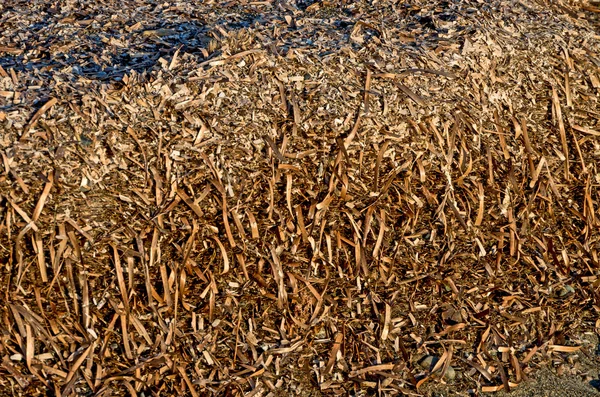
(104, 55)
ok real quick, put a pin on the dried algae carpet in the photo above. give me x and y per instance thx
(267, 198)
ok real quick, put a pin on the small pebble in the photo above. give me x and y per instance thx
(564, 291)
(428, 362)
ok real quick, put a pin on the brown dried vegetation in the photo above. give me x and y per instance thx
(257, 198)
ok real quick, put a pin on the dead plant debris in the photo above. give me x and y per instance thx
(296, 198)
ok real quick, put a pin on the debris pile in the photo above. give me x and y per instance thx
(300, 197)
